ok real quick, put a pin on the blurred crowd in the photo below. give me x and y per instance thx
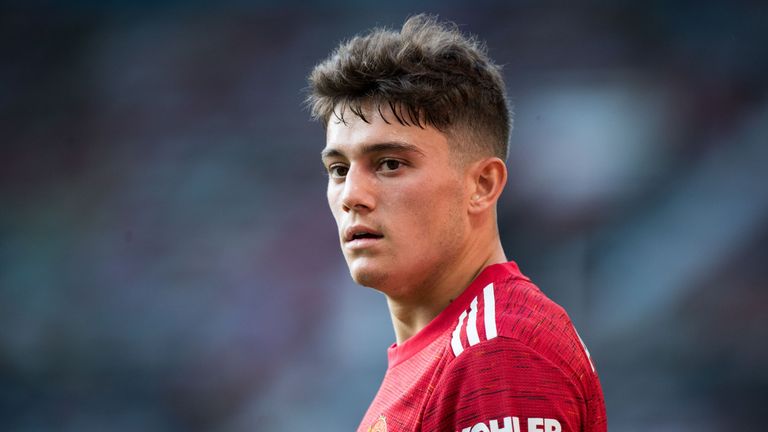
(168, 261)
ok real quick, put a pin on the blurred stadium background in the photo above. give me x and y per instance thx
(168, 261)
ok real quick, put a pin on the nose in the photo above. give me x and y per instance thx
(358, 193)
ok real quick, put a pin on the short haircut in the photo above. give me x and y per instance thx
(429, 73)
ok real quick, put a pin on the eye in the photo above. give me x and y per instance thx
(390, 164)
(337, 171)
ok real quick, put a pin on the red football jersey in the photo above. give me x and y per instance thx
(501, 357)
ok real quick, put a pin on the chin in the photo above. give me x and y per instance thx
(368, 275)
(369, 279)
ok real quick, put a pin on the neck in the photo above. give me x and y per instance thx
(410, 315)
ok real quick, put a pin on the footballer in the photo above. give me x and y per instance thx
(417, 125)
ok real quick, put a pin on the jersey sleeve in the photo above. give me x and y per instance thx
(504, 385)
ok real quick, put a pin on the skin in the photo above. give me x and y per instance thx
(436, 218)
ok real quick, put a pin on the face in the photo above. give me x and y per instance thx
(398, 200)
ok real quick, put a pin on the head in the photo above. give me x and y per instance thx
(417, 125)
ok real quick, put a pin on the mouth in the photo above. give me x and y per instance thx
(365, 235)
(360, 236)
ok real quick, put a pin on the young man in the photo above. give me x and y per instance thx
(417, 126)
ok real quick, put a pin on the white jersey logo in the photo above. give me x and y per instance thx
(512, 424)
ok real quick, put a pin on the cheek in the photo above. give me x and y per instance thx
(332, 196)
(432, 212)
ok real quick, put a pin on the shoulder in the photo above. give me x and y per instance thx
(504, 380)
(514, 356)
(513, 366)
(513, 318)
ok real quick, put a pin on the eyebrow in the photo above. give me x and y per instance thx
(394, 146)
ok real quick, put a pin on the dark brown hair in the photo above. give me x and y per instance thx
(427, 74)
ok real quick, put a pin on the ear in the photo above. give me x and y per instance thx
(486, 181)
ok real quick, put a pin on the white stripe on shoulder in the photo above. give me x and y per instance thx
(586, 351)
(489, 312)
(456, 339)
(472, 335)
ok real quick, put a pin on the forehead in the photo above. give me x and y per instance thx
(354, 134)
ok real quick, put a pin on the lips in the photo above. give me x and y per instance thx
(358, 233)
